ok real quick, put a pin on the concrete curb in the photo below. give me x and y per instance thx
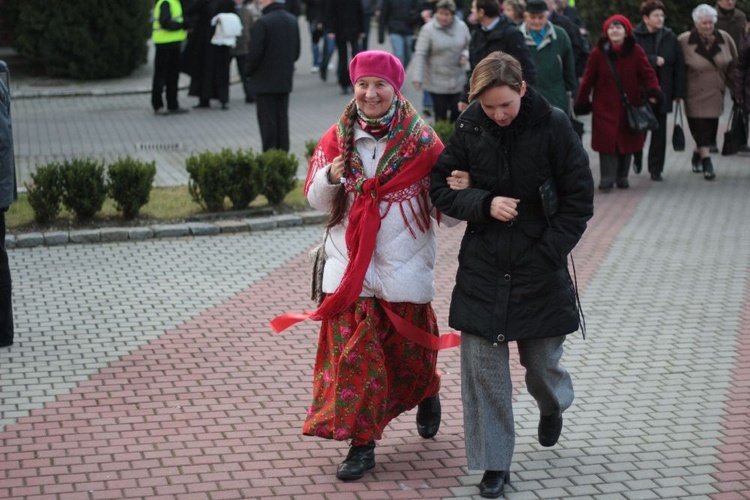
(192, 228)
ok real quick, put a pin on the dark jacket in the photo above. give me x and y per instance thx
(598, 93)
(344, 18)
(399, 17)
(274, 48)
(580, 44)
(512, 281)
(742, 73)
(8, 192)
(732, 21)
(505, 36)
(671, 74)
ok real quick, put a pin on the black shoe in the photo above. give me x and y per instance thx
(201, 105)
(224, 106)
(178, 111)
(606, 187)
(428, 417)
(323, 73)
(160, 112)
(359, 460)
(549, 430)
(657, 177)
(623, 184)
(493, 483)
(708, 169)
(6, 342)
(714, 148)
(695, 161)
(637, 164)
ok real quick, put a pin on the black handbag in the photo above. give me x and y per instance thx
(735, 136)
(678, 132)
(640, 118)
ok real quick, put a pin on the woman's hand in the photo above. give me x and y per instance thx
(458, 180)
(503, 208)
(417, 85)
(336, 171)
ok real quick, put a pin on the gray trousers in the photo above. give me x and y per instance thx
(613, 167)
(487, 393)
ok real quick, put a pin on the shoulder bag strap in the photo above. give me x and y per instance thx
(616, 76)
(678, 113)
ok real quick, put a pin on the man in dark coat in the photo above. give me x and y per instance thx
(8, 195)
(343, 20)
(270, 65)
(496, 32)
(581, 47)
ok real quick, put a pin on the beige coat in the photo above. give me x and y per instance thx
(709, 73)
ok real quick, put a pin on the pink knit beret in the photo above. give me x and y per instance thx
(379, 64)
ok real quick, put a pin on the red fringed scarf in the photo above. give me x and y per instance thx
(402, 176)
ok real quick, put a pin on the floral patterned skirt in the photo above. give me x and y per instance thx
(366, 373)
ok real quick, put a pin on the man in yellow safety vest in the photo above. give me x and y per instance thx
(168, 34)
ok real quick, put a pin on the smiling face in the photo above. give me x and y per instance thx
(705, 25)
(502, 104)
(373, 96)
(616, 33)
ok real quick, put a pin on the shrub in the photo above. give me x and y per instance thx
(84, 189)
(244, 177)
(129, 184)
(209, 179)
(279, 174)
(45, 192)
(310, 146)
(83, 39)
(444, 130)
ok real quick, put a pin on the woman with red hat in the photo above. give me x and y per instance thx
(599, 94)
(378, 344)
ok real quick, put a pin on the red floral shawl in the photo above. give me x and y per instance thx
(402, 178)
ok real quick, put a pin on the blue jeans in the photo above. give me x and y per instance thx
(402, 47)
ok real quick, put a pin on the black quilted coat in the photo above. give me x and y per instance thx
(512, 281)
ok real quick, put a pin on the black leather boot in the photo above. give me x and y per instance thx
(549, 429)
(695, 161)
(493, 483)
(708, 169)
(359, 460)
(428, 416)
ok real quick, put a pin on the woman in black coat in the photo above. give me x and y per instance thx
(512, 281)
(665, 55)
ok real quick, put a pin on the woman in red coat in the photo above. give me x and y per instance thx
(610, 135)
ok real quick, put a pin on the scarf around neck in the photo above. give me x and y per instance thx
(402, 179)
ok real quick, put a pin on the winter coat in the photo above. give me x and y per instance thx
(742, 74)
(344, 18)
(733, 22)
(8, 192)
(436, 60)
(555, 65)
(274, 49)
(512, 281)
(399, 17)
(580, 44)
(671, 74)
(609, 127)
(504, 36)
(249, 13)
(708, 73)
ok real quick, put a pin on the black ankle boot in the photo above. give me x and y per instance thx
(359, 460)
(708, 169)
(696, 162)
(493, 483)
(549, 429)
(428, 417)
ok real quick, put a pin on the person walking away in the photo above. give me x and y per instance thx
(274, 48)
(8, 195)
(496, 32)
(610, 135)
(742, 80)
(512, 283)
(379, 339)
(710, 56)
(248, 12)
(441, 59)
(552, 54)
(400, 18)
(343, 22)
(168, 34)
(314, 15)
(665, 56)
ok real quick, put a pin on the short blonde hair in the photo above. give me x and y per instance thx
(518, 6)
(496, 70)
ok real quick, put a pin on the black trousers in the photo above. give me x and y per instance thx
(446, 106)
(6, 307)
(166, 74)
(343, 68)
(273, 120)
(657, 150)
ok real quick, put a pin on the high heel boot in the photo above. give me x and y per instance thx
(708, 169)
(696, 162)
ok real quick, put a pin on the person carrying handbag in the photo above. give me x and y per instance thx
(599, 94)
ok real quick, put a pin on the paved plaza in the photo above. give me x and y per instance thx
(147, 369)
